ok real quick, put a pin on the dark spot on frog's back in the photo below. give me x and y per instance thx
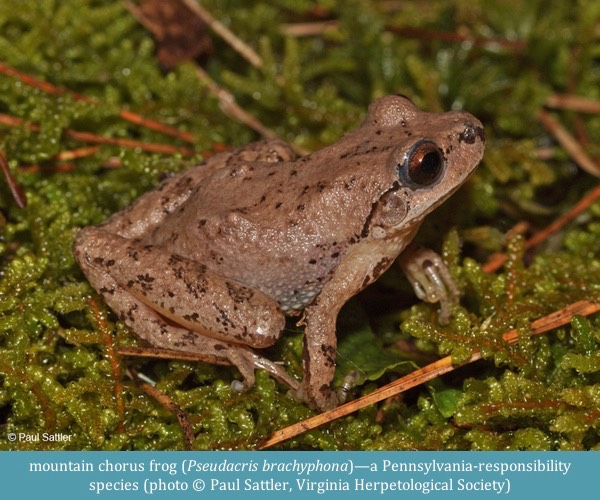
(130, 313)
(163, 176)
(239, 293)
(471, 133)
(190, 337)
(380, 267)
(174, 259)
(184, 181)
(366, 281)
(193, 318)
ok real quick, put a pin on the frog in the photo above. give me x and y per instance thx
(215, 258)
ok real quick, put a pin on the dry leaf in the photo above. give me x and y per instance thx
(179, 34)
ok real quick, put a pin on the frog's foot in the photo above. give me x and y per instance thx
(350, 381)
(246, 361)
(430, 279)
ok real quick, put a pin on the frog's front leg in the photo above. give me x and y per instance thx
(430, 279)
(176, 303)
(361, 267)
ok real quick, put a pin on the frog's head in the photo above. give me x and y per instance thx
(425, 158)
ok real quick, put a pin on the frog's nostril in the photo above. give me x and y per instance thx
(472, 132)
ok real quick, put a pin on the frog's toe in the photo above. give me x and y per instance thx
(351, 380)
(239, 386)
(247, 361)
(242, 360)
(430, 279)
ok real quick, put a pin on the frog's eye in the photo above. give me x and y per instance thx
(422, 165)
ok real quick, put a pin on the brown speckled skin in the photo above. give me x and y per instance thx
(213, 258)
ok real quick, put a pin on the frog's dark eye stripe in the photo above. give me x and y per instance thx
(422, 165)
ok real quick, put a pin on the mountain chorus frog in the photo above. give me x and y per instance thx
(214, 258)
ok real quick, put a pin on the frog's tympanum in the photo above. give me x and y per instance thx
(214, 258)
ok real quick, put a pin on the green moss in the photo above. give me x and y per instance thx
(56, 373)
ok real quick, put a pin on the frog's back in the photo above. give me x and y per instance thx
(281, 227)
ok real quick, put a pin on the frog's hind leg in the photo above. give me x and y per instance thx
(162, 332)
(143, 320)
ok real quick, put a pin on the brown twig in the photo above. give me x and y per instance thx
(519, 228)
(299, 30)
(128, 143)
(96, 139)
(13, 121)
(497, 260)
(220, 29)
(159, 353)
(422, 375)
(114, 362)
(112, 162)
(148, 123)
(573, 103)
(13, 185)
(569, 143)
(57, 168)
(457, 37)
(318, 28)
(233, 110)
(129, 116)
(75, 154)
(169, 404)
(230, 107)
(30, 81)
